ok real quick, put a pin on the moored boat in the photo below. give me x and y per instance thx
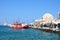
(17, 25)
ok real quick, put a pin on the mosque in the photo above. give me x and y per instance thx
(47, 18)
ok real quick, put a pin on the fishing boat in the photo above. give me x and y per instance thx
(18, 25)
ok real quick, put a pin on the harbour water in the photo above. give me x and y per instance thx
(7, 33)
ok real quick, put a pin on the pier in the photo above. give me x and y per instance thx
(47, 29)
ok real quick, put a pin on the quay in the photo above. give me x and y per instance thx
(47, 29)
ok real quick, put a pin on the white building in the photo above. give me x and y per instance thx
(47, 18)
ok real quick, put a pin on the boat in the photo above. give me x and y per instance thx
(18, 25)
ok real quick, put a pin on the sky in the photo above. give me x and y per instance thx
(27, 10)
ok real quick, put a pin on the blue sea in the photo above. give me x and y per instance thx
(7, 33)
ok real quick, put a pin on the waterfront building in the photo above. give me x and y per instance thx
(48, 22)
(46, 18)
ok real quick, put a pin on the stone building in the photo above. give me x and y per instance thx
(46, 18)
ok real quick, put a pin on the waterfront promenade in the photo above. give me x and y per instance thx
(47, 29)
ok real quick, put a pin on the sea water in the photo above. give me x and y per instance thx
(7, 33)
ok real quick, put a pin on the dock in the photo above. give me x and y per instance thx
(47, 29)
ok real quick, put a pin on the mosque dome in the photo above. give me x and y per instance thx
(48, 17)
